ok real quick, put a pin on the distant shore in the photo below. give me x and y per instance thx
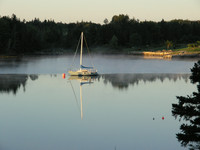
(189, 52)
(165, 54)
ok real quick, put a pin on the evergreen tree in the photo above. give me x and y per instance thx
(188, 108)
(18, 37)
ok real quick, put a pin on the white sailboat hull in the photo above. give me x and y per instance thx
(83, 73)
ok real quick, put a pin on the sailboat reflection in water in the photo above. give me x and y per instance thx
(83, 80)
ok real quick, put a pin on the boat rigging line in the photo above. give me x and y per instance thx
(75, 53)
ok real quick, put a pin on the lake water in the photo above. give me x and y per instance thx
(127, 107)
(105, 64)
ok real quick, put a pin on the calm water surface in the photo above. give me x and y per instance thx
(122, 109)
(105, 64)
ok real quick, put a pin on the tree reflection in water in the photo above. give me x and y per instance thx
(13, 82)
(123, 81)
(188, 108)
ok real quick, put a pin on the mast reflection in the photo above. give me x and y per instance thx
(83, 80)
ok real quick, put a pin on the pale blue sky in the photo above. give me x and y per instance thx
(97, 10)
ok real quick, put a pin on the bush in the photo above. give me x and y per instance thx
(198, 43)
(192, 45)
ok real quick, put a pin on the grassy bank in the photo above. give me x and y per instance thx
(188, 50)
(161, 51)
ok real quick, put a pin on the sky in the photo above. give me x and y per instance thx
(68, 11)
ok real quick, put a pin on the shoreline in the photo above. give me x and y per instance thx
(164, 54)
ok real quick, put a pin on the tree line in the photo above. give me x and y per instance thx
(19, 37)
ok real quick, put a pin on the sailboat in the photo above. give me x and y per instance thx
(83, 71)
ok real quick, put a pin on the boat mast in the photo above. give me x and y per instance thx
(81, 101)
(81, 61)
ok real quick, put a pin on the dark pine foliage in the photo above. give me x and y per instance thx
(19, 37)
(188, 108)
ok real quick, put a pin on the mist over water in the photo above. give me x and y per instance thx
(105, 64)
